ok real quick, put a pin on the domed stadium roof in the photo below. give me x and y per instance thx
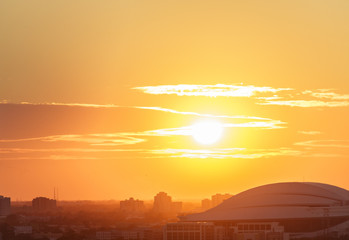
(292, 200)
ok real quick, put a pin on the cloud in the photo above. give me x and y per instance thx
(325, 93)
(130, 138)
(307, 103)
(275, 97)
(225, 153)
(285, 97)
(202, 114)
(51, 157)
(323, 155)
(217, 153)
(161, 109)
(318, 98)
(73, 104)
(273, 124)
(107, 139)
(68, 150)
(309, 132)
(218, 90)
(325, 143)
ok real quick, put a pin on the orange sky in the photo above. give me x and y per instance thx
(98, 98)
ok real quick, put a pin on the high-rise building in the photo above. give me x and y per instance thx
(206, 204)
(219, 198)
(215, 200)
(163, 204)
(44, 204)
(5, 206)
(131, 205)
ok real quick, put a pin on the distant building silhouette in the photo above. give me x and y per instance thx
(5, 206)
(215, 200)
(219, 198)
(132, 206)
(44, 204)
(206, 204)
(163, 204)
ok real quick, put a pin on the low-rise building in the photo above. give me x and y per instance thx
(5, 206)
(132, 206)
(44, 204)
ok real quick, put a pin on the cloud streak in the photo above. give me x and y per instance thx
(72, 104)
(154, 108)
(218, 90)
(310, 132)
(325, 143)
(202, 114)
(285, 96)
(307, 103)
(107, 139)
(325, 93)
(128, 138)
(223, 153)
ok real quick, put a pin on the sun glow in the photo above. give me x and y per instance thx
(207, 132)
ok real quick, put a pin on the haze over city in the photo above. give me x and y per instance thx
(118, 99)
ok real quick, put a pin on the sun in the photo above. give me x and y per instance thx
(207, 132)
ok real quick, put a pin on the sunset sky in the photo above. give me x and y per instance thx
(104, 99)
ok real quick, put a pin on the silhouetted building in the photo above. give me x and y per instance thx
(278, 211)
(132, 206)
(215, 200)
(5, 206)
(219, 198)
(206, 204)
(163, 204)
(44, 204)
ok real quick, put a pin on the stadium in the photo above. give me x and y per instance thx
(280, 211)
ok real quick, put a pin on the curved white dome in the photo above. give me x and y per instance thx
(279, 201)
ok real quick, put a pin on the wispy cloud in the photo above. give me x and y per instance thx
(69, 150)
(107, 139)
(273, 124)
(51, 157)
(263, 95)
(152, 108)
(129, 138)
(206, 153)
(310, 132)
(311, 98)
(275, 97)
(327, 94)
(323, 155)
(202, 114)
(325, 143)
(226, 153)
(218, 90)
(189, 130)
(307, 103)
(72, 104)
(217, 153)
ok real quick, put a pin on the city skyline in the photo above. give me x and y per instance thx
(119, 99)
